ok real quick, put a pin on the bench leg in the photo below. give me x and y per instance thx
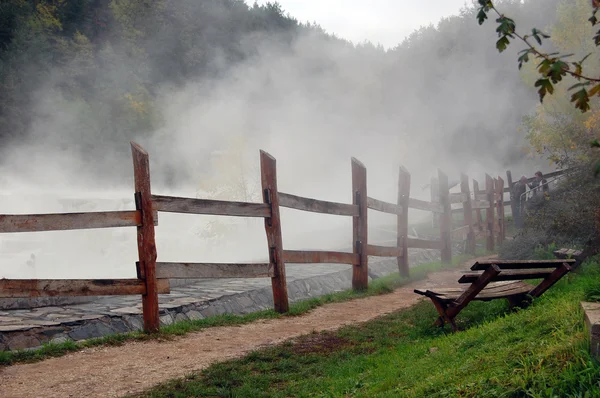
(444, 318)
(547, 283)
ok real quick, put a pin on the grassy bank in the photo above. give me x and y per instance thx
(379, 286)
(538, 352)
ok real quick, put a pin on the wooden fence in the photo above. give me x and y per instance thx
(153, 277)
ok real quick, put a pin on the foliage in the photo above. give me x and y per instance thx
(568, 219)
(537, 352)
(552, 67)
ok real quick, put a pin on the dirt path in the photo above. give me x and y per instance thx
(137, 366)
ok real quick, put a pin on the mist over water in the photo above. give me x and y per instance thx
(312, 104)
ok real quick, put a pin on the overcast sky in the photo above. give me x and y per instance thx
(386, 22)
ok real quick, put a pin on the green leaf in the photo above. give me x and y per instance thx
(481, 16)
(523, 58)
(581, 100)
(597, 168)
(545, 87)
(557, 71)
(595, 143)
(502, 43)
(544, 66)
(507, 26)
(565, 56)
(584, 58)
(579, 85)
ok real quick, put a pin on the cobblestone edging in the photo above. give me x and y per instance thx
(25, 329)
(592, 323)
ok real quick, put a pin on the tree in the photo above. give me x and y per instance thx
(553, 67)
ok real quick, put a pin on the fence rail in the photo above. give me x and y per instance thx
(317, 206)
(153, 277)
(69, 221)
(174, 204)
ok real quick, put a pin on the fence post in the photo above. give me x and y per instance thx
(435, 198)
(500, 198)
(445, 219)
(268, 175)
(360, 272)
(402, 223)
(513, 202)
(489, 213)
(146, 237)
(468, 213)
(478, 210)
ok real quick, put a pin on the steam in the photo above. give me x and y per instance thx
(312, 103)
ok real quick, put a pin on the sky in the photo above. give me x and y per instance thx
(385, 22)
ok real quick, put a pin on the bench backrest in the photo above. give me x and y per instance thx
(515, 270)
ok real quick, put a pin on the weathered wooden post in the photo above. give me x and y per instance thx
(489, 213)
(146, 238)
(468, 213)
(360, 271)
(445, 219)
(268, 174)
(402, 223)
(513, 201)
(435, 198)
(501, 221)
(477, 210)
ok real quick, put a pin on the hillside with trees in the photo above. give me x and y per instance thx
(85, 77)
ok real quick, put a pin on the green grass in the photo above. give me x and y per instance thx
(379, 286)
(541, 351)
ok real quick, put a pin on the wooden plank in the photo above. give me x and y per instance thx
(478, 218)
(69, 221)
(489, 213)
(213, 270)
(519, 264)
(482, 196)
(14, 288)
(480, 204)
(316, 206)
(457, 197)
(423, 205)
(512, 200)
(316, 256)
(500, 210)
(492, 287)
(445, 219)
(509, 275)
(486, 295)
(384, 251)
(468, 213)
(435, 199)
(146, 237)
(460, 234)
(402, 221)
(384, 207)
(360, 271)
(424, 244)
(174, 204)
(268, 176)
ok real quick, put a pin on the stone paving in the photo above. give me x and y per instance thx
(30, 328)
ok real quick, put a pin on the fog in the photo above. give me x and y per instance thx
(312, 104)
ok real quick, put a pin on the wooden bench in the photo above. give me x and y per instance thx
(496, 279)
(578, 255)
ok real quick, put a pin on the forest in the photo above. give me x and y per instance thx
(86, 76)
